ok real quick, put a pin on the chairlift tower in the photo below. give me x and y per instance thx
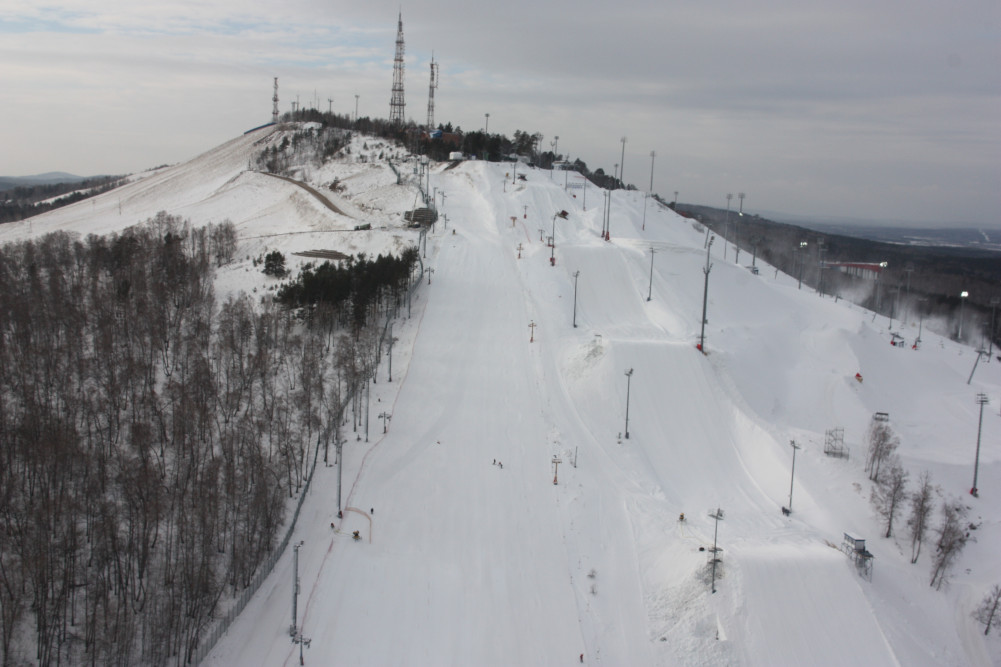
(431, 89)
(396, 103)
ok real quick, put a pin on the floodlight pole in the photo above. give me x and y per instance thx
(622, 162)
(962, 300)
(705, 297)
(717, 515)
(982, 400)
(736, 228)
(653, 154)
(792, 476)
(340, 468)
(649, 294)
(629, 377)
(368, 405)
(990, 350)
(576, 274)
(726, 225)
(802, 246)
(293, 629)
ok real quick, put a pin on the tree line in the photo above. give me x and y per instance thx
(150, 438)
(25, 201)
(353, 292)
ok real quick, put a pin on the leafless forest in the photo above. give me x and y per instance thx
(151, 438)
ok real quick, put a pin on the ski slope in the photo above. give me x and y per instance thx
(467, 563)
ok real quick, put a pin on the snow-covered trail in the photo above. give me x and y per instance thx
(469, 563)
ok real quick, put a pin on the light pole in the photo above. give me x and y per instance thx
(736, 228)
(994, 304)
(982, 400)
(340, 468)
(391, 341)
(726, 225)
(717, 515)
(629, 377)
(705, 297)
(821, 249)
(792, 475)
(294, 628)
(962, 300)
(802, 247)
(356, 107)
(576, 274)
(649, 293)
(921, 318)
(653, 154)
(385, 417)
(622, 161)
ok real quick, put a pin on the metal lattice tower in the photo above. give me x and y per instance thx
(396, 104)
(434, 84)
(274, 100)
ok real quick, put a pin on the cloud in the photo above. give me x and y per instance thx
(836, 108)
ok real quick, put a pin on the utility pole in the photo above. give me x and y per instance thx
(649, 293)
(629, 377)
(575, 276)
(356, 107)
(385, 417)
(705, 297)
(532, 325)
(556, 469)
(717, 515)
(982, 400)
(792, 476)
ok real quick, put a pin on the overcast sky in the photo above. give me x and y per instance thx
(859, 109)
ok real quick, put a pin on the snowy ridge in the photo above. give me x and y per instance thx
(465, 562)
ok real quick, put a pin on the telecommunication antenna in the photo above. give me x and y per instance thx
(274, 100)
(396, 104)
(330, 105)
(431, 88)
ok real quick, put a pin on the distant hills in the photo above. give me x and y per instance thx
(48, 178)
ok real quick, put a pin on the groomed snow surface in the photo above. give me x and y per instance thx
(465, 562)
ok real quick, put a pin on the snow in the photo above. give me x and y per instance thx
(465, 562)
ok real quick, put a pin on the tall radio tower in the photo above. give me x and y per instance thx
(274, 109)
(434, 84)
(396, 104)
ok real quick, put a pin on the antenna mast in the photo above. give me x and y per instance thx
(434, 84)
(396, 104)
(274, 100)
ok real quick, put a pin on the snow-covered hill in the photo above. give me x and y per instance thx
(469, 562)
